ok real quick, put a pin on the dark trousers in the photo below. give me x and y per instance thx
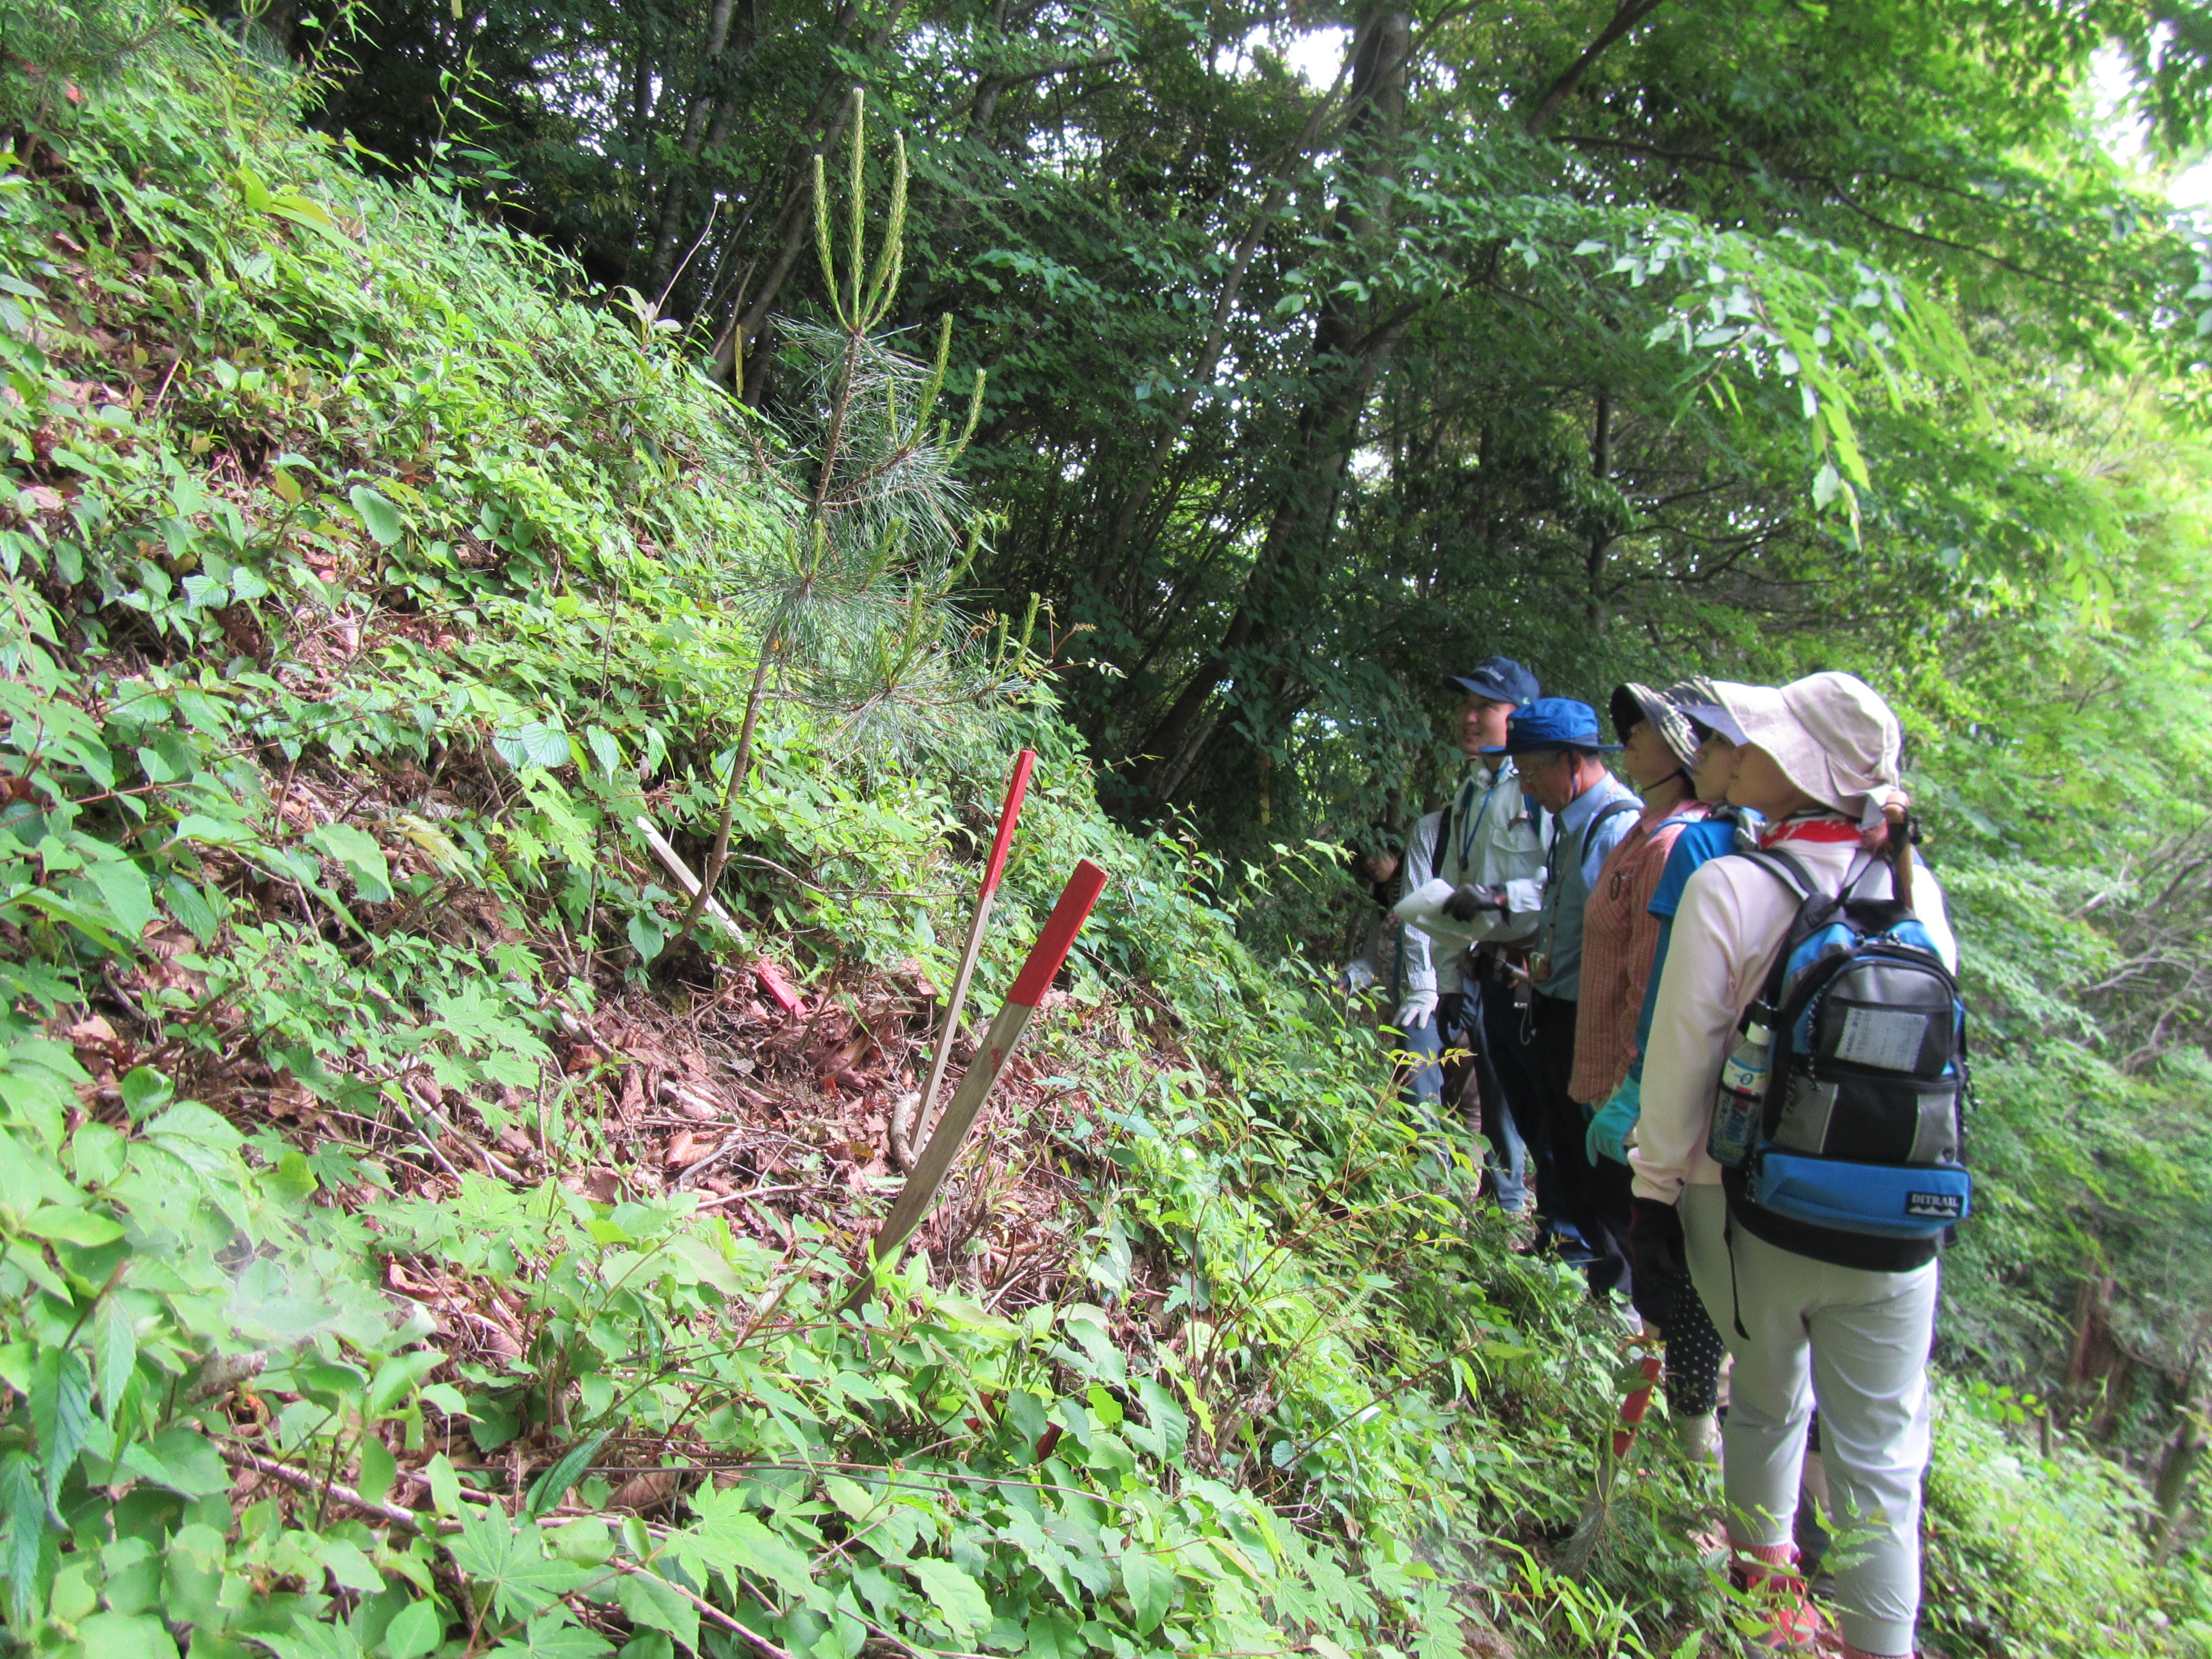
(1472, 1089)
(1511, 1085)
(1582, 1202)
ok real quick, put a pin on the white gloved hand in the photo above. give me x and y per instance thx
(1360, 976)
(1415, 1011)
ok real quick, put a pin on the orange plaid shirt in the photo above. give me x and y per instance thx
(1620, 933)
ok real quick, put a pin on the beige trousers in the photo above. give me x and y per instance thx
(1855, 1342)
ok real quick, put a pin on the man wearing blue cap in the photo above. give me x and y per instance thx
(1557, 745)
(1491, 838)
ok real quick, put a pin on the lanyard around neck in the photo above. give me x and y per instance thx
(1468, 836)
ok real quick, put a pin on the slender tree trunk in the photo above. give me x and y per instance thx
(1381, 47)
(1600, 539)
(706, 104)
(1304, 513)
(1138, 490)
(1343, 372)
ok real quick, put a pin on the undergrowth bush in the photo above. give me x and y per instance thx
(364, 587)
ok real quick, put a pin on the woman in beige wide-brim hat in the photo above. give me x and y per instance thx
(1821, 763)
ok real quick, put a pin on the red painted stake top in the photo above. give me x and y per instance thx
(1060, 930)
(1016, 789)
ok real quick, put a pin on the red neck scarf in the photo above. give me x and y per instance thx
(1819, 825)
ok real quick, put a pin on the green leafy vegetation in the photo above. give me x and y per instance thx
(416, 1243)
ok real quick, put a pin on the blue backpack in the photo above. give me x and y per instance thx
(1860, 1158)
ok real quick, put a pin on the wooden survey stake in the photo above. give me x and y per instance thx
(919, 1195)
(1017, 787)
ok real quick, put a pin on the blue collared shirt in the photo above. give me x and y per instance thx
(1577, 851)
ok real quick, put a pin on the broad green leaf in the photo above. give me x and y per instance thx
(1149, 1584)
(139, 1636)
(728, 1540)
(535, 743)
(959, 1599)
(587, 1541)
(650, 1602)
(646, 935)
(84, 1227)
(215, 832)
(511, 1564)
(145, 1090)
(183, 1460)
(115, 1349)
(445, 1484)
(378, 1469)
(61, 1413)
(1827, 484)
(704, 1260)
(379, 516)
(348, 1567)
(396, 1377)
(855, 1500)
(124, 885)
(1053, 1635)
(414, 1630)
(24, 1514)
(356, 849)
(196, 1138)
(1166, 1429)
(605, 748)
(552, 1635)
(309, 1639)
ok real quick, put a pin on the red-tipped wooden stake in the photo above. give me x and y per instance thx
(1017, 787)
(919, 1193)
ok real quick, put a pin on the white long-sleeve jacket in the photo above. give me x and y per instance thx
(1733, 920)
(1491, 834)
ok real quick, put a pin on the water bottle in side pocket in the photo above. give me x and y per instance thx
(1743, 1095)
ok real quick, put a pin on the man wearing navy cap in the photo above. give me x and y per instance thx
(1490, 836)
(1557, 745)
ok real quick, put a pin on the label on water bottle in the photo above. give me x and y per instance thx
(1737, 1103)
(1735, 1127)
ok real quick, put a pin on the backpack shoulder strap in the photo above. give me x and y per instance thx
(1785, 868)
(1612, 809)
(1815, 905)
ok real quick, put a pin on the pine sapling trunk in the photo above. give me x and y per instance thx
(740, 763)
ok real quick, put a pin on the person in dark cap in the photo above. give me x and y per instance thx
(1560, 749)
(1490, 836)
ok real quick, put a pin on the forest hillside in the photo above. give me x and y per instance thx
(423, 1235)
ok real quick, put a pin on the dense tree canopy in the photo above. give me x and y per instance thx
(1673, 330)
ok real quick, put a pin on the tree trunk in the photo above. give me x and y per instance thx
(706, 104)
(1344, 367)
(1600, 539)
(1356, 117)
(1625, 16)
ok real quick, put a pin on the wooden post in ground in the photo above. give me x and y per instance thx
(1017, 787)
(919, 1195)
